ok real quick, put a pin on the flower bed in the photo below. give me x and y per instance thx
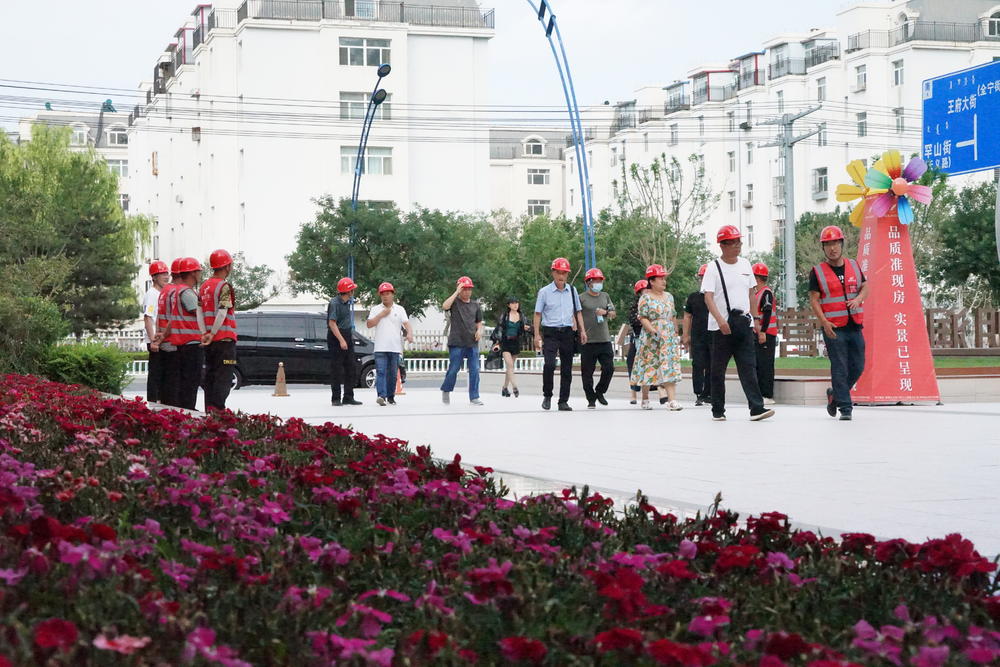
(237, 540)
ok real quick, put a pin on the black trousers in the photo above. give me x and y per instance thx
(557, 341)
(167, 390)
(185, 375)
(343, 368)
(590, 356)
(701, 366)
(220, 360)
(154, 375)
(765, 365)
(739, 345)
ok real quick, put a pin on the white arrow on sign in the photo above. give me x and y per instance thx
(974, 142)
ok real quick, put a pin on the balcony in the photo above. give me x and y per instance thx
(623, 122)
(924, 31)
(786, 67)
(588, 135)
(221, 18)
(714, 94)
(750, 78)
(675, 104)
(822, 54)
(385, 11)
(646, 115)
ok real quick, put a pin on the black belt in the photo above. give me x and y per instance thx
(556, 329)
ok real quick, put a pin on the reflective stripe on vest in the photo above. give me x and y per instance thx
(772, 327)
(163, 307)
(184, 326)
(209, 296)
(834, 296)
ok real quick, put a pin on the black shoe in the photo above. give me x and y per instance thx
(351, 401)
(546, 403)
(564, 407)
(664, 400)
(763, 414)
(601, 399)
(831, 408)
(392, 401)
(590, 405)
(632, 402)
(845, 416)
(699, 402)
(516, 392)
(504, 392)
(335, 401)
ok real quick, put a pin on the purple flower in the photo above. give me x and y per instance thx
(778, 560)
(707, 625)
(13, 577)
(931, 656)
(687, 549)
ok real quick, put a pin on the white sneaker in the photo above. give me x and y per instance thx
(675, 406)
(769, 401)
(646, 406)
(380, 400)
(476, 401)
(446, 397)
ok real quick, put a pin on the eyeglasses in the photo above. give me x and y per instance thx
(732, 242)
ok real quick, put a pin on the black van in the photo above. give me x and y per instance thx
(298, 340)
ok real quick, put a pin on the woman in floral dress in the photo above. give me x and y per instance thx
(658, 360)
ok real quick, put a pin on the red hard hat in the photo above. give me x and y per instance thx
(831, 233)
(560, 264)
(640, 285)
(701, 271)
(175, 266)
(465, 281)
(727, 233)
(188, 264)
(345, 285)
(386, 287)
(655, 271)
(158, 267)
(593, 274)
(760, 269)
(220, 258)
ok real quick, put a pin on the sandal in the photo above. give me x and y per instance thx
(646, 406)
(675, 406)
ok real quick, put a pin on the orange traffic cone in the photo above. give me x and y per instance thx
(280, 388)
(399, 383)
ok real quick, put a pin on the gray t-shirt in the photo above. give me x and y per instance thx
(597, 332)
(339, 312)
(464, 318)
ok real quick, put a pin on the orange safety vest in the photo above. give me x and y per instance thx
(772, 326)
(163, 306)
(209, 295)
(184, 328)
(833, 296)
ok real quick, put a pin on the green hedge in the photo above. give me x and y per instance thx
(29, 326)
(90, 364)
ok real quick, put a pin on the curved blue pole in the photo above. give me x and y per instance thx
(366, 126)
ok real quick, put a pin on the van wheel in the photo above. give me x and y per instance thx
(368, 375)
(237, 381)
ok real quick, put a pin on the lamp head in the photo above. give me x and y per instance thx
(384, 69)
(379, 96)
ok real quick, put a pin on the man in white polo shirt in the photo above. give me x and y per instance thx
(388, 320)
(159, 275)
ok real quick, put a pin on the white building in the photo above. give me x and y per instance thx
(865, 74)
(255, 110)
(527, 171)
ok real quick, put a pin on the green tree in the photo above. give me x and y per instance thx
(253, 283)
(809, 251)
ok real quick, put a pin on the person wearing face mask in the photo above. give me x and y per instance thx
(597, 309)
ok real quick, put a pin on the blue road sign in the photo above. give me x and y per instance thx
(962, 120)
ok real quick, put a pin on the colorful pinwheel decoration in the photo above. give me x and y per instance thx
(856, 170)
(896, 186)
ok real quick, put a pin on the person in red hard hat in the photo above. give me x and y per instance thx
(167, 394)
(218, 310)
(557, 321)
(597, 310)
(340, 342)
(159, 276)
(837, 290)
(465, 329)
(639, 288)
(729, 294)
(658, 359)
(186, 335)
(696, 339)
(388, 320)
(767, 332)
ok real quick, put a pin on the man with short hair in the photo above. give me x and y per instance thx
(388, 320)
(837, 290)
(466, 318)
(697, 340)
(557, 319)
(218, 310)
(728, 286)
(186, 334)
(159, 275)
(767, 336)
(161, 342)
(596, 310)
(340, 342)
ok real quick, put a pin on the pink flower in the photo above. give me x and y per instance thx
(778, 560)
(274, 512)
(13, 577)
(124, 644)
(707, 625)
(931, 656)
(687, 549)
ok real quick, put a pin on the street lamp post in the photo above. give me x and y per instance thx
(377, 97)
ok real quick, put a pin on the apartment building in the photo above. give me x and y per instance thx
(527, 172)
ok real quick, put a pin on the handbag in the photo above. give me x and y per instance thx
(739, 322)
(494, 361)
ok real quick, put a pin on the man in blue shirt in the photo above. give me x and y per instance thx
(557, 317)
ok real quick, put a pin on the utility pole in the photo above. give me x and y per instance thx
(786, 141)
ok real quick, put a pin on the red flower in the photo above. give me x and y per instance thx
(103, 532)
(955, 555)
(736, 556)
(678, 569)
(666, 652)
(786, 645)
(523, 648)
(55, 633)
(856, 542)
(618, 639)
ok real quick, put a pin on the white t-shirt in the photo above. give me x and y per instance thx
(739, 280)
(149, 303)
(388, 331)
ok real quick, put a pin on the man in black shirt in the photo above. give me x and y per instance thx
(767, 338)
(697, 341)
(340, 342)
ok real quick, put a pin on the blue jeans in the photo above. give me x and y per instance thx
(847, 362)
(386, 368)
(455, 357)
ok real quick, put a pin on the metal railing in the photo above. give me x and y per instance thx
(714, 94)
(197, 37)
(623, 122)
(675, 104)
(386, 11)
(588, 135)
(926, 31)
(786, 67)
(748, 79)
(822, 54)
(222, 18)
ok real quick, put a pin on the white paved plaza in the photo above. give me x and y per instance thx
(913, 472)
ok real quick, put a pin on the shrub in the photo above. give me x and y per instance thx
(29, 326)
(90, 364)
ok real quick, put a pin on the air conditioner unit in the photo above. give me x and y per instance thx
(195, 134)
(179, 199)
(748, 203)
(859, 89)
(745, 125)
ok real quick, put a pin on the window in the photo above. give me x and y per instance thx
(863, 124)
(79, 137)
(614, 156)
(778, 190)
(571, 196)
(860, 78)
(749, 152)
(673, 134)
(749, 111)
(821, 88)
(571, 162)
(781, 101)
(645, 141)
(732, 201)
(900, 123)
(897, 72)
(821, 137)
(281, 328)
(538, 207)
(749, 196)
(732, 161)
(353, 106)
(361, 52)
(993, 25)
(378, 161)
(119, 168)
(117, 136)
(534, 147)
(699, 165)
(731, 116)
(123, 202)
(749, 235)
(820, 181)
(538, 177)
(701, 126)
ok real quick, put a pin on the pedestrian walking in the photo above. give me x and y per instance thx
(698, 342)
(658, 360)
(596, 310)
(159, 276)
(557, 323)
(837, 290)
(186, 334)
(218, 307)
(466, 318)
(767, 332)
(729, 292)
(640, 288)
(506, 339)
(167, 351)
(340, 343)
(389, 320)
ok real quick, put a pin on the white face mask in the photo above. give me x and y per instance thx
(596, 287)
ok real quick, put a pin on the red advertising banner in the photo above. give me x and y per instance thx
(898, 362)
